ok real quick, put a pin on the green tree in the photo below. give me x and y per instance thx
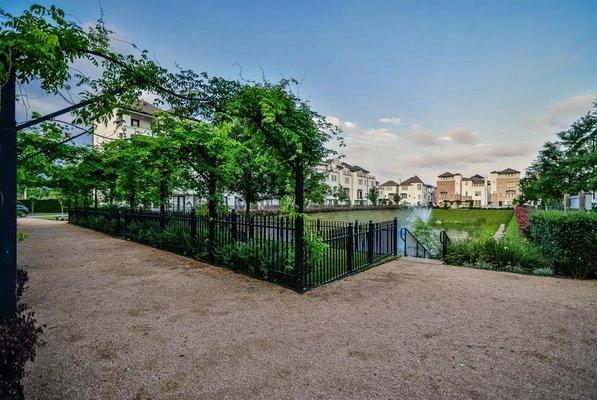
(285, 127)
(342, 196)
(567, 165)
(373, 195)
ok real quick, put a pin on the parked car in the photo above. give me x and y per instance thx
(22, 211)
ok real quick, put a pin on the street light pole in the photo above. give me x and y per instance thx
(8, 199)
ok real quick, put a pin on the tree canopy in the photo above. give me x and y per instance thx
(567, 165)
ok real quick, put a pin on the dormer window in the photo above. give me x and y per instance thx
(135, 122)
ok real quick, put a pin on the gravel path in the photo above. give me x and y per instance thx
(125, 321)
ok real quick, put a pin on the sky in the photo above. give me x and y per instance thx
(417, 87)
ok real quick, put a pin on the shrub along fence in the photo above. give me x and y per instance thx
(260, 245)
(42, 205)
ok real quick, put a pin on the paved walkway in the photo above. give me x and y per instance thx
(126, 321)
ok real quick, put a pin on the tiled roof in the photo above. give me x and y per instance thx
(144, 107)
(413, 179)
(446, 175)
(354, 168)
(508, 171)
(389, 183)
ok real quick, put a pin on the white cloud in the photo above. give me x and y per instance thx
(333, 120)
(390, 120)
(460, 135)
(350, 125)
(561, 114)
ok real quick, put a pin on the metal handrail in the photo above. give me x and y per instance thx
(403, 235)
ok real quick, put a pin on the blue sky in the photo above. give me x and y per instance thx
(462, 86)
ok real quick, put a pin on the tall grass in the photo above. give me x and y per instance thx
(508, 254)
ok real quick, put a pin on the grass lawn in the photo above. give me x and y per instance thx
(474, 222)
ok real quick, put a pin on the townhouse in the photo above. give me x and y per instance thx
(388, 192)
(353, 180)
(498, 190)
(505, 187)
(454, 189)
(124, 123)
(414, 192)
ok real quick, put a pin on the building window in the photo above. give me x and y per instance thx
(346, 180)
(334, 177)
(359, 194)
(477, 193)
(134, 122)
(360, 181)
(418, 186)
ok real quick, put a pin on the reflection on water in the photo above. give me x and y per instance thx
(406, 219)
(362, 215)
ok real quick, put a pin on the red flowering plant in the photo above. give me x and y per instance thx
(522, 216)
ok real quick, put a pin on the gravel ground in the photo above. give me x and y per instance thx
(124, 321)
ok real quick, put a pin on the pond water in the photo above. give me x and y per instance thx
(458, 224)
(365, 216)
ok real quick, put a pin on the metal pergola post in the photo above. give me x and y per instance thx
(8, 198)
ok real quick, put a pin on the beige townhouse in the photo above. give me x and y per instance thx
(414, 192)
(505, 187)
(124, 123)
(355, 181)
(388, 192)
(453, 188)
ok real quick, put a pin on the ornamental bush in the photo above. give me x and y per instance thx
(522, 215)
(18, 337)
(568, 239)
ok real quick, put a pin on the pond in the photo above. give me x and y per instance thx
(458, 224)
(464, 223)
(365, 216)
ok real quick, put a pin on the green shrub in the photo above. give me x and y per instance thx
(543, 271)
(508, 254)
(427, 235)
(42, 205)
(256, 257)
(568, 239)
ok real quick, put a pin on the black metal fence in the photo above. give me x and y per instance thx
(260, 245)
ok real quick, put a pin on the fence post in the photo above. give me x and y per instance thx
(193, 224)
(211, 239)
(118, 223)
(233, 224)
(85, 209)
(162, 217)
(95, 200)
(395, 237)
(403, 230)
(350, 248)
(126, 214)
(251, 227)
(370, 243)
(318, 225)
(299, 229)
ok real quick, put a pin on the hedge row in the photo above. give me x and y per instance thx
(42, 205)
(568, 239)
